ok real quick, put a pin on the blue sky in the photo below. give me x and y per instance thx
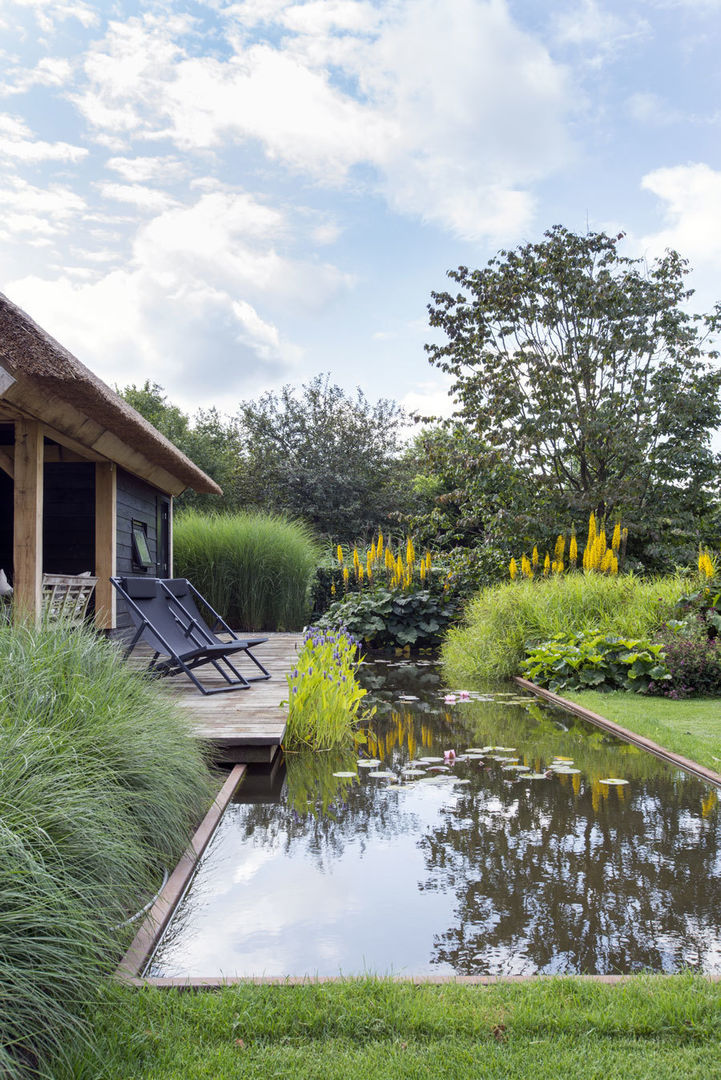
(227, 196)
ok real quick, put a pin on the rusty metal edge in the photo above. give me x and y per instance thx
(157, 918)
(692, 767)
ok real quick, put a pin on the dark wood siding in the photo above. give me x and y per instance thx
(137, 501)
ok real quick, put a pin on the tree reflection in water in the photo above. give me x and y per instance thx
(558, 875)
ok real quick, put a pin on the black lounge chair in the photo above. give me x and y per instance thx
(166, 616)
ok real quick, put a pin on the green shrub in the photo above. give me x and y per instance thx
(324, 695)
(504, 618)
(101, 784)
(255, 569)
(595, 661)
(391, 617)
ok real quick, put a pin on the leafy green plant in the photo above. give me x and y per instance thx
(324, 696)
(595, 661)
(101, 783)
(391, 617)
(255, 569)
(503, 618)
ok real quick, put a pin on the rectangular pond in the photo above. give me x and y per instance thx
(518, 857)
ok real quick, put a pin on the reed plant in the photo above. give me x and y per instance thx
(504, 618)
(256, 569)
(100, 786)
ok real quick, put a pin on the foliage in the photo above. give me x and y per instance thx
(694, 665)
(213, 442)
(584, 369)
(101, 784)
(402, 570)
(319, 454)
(324, 696)
(595, 661)
(254, 568)
(391, 617)
(503, 618)
(700, 609)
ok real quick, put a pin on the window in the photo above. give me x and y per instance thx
(141, 551)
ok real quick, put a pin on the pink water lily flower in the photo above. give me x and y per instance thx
(464, 695)
(450, 699)
(449, 755)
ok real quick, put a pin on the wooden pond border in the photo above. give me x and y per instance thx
(692, 767)
(159, 915)
(156, 920)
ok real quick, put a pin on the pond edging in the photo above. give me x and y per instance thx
(692, 767)
(157, 918)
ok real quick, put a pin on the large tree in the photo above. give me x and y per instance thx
(324, 455)
(585, 368)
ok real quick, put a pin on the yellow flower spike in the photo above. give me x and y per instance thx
(332, 588)
(379, 545)
(526, 568)
(356, 559)
(422, 569)
(410, 552)
(607, 562)
(372, 553)
(512, 569)
(546, 564)
(534, 557)
(573, 550)
(339, 553)
(616, 539)
(360, 573)
(346, 575)
(560, 548)
(399, 566)
(591, 529)
(428, 560)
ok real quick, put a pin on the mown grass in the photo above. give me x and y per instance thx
(502, 618)
(100, 786)
(649, 1027)
(691, 728)
(255, 569)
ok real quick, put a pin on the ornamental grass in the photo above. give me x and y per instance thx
(256, 569)
(503, 618)
(100, 786)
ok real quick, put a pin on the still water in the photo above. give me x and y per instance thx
(468, 866)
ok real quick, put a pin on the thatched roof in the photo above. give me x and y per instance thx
(43, 368)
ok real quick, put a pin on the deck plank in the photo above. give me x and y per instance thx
(252, 718)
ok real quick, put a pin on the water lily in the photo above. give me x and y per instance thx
(450, 699)
(463, 695)
(449, 755)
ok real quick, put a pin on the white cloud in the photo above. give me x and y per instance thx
(17, 142)
(650, 109)
(144, 198)
(192, 305)
(691, 195)
(49, 71)
(455, 110)
(47, 210)
(50, 12)
(139, 170)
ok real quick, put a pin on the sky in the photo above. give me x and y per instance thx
(225, 197)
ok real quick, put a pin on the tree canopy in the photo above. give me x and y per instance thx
(586, 370)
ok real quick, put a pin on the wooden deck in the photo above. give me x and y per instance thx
(244, 725)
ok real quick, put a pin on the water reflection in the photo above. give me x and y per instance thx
(498, 874)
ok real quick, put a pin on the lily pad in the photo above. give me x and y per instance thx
(614, 780)
(438, 768)
(384, 774)
(430, 760)
(345, 774)
(535, 776)
(368, 763)
(413, 772)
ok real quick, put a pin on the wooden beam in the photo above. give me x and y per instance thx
(28, 525)
(7, 460)
(106, 516)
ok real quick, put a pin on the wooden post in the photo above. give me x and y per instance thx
(28, 525)
(106, 499)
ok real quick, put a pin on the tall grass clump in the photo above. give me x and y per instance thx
(101, 784)
(256, 569)
(502, 619)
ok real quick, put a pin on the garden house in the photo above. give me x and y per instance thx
(86, 484)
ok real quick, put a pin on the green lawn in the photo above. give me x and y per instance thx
(375, 1029)
(691, 728)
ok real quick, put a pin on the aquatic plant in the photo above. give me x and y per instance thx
(324, 695)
